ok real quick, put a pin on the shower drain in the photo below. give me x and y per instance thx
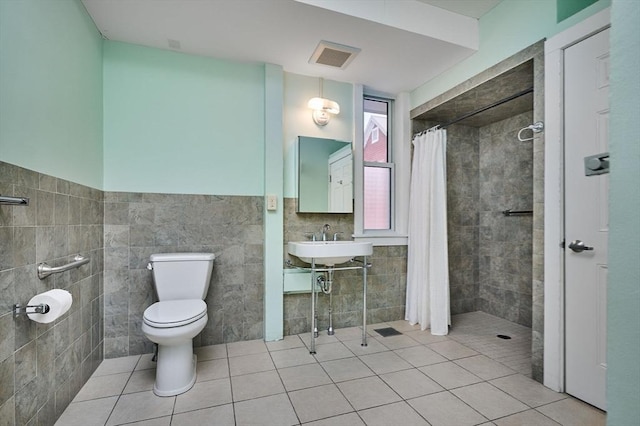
(503, 336)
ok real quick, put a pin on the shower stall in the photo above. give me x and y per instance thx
(494, 199)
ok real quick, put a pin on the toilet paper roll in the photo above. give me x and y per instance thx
(59, 302)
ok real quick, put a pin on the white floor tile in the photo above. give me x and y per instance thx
(489, 401)
(102, 386)
(526, 418)
(350, 419)
(411, 383)
(346, 369)
(212, 369)
(292, 357)
(450, 375)
(246, 348)
(484, 367)
(319, 403)
(571, 412)
(250, 364)
(444, 409)
(117, 365)
(527, 390)
(331, 351)
(399, 413)
(141, 380)
(87, 413)
(238, 383)
(203, 395)
(222, 414)
(303, 376)
(270, 410)
(256, 385)
(368, 392)
(385, 362)
(419, 356)
(140, 406)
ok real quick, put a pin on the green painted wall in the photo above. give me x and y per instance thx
(505, 30)
(179, 123)
(567, 8)
(298, 89)
(623, 297)
(51, 89)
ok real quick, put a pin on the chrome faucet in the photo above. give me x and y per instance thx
(325, 230)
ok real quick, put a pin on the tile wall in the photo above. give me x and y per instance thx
(386, 279)
(463, 213)
(490, 255)
(140, 224)
(505, 243)
(43, 366)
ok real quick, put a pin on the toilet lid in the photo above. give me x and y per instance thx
(174, 313)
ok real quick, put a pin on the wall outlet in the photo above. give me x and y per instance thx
(272, 202)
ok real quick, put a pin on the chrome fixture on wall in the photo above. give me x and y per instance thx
(14, 201)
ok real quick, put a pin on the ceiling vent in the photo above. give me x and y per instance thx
(333, 54)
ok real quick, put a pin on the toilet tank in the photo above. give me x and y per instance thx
(181, 275)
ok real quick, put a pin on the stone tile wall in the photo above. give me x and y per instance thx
(43, 366)
(140, 224)
(505, 243)
(463, 209)
(386, 280)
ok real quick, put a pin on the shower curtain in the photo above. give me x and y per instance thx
(428, 262)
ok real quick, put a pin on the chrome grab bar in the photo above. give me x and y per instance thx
(45, 270)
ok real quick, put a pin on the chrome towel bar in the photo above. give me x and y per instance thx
(517, 212)
(14, 201)
(45, 270)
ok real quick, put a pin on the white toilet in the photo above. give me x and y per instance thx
(181, 281)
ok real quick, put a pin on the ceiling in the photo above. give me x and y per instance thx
(397, 54)
(507, 85)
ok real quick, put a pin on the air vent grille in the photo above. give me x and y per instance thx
(333, 54)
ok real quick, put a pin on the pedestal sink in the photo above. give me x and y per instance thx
(329, 253)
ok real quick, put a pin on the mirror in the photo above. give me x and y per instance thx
(325, 176)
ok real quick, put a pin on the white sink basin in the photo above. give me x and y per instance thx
(329, 253)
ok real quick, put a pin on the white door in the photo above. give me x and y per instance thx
(341, 185)
(586, 110)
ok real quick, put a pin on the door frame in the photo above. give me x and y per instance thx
(554, 324)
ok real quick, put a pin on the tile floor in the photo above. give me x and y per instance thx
(470, 377)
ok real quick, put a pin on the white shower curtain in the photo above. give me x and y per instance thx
(428, 260)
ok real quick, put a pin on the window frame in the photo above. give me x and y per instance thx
(399, 126)
(389, 164)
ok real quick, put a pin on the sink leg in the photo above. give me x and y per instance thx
(330, 330)
(364, 303)
(314, 316)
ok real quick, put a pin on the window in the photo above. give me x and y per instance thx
(378, 165)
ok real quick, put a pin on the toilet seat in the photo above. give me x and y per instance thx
(174, 313)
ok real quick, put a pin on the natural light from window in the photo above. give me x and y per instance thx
(378, 167)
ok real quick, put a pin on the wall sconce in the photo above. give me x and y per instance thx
(322, 108)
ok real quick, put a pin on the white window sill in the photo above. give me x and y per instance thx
(382, 239)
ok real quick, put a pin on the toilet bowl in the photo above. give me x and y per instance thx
(172, 325)
(181, 281)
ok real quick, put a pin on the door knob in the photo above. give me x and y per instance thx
(579, 246)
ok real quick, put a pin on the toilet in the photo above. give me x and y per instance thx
(181, 281)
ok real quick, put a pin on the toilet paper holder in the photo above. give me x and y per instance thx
(42, 308)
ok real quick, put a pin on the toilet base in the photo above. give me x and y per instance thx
(175, 369)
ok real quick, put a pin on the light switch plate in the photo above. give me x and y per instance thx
(272, 202)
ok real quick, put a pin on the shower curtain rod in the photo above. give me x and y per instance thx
(488, 107)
